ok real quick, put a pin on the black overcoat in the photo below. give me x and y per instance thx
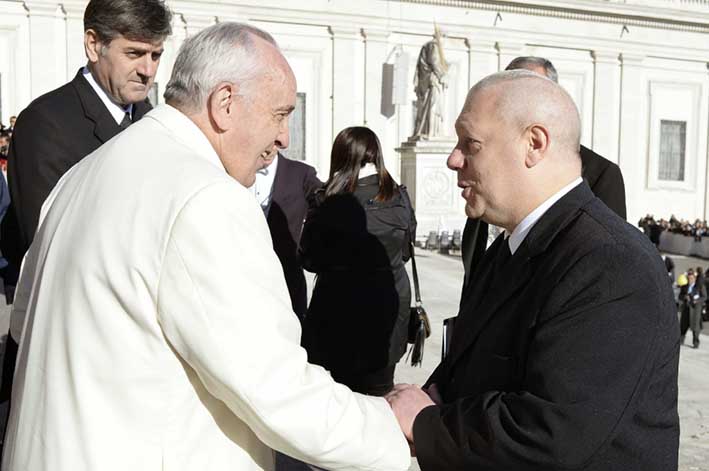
(567, 361)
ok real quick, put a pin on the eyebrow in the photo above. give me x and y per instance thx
(144, 50)
(288, 108)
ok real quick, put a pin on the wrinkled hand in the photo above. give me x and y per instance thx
(407, 400)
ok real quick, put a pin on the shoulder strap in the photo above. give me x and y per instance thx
(417, 290)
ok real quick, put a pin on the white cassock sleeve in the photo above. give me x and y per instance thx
(224, 307)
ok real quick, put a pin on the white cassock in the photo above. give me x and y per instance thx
(158, 332)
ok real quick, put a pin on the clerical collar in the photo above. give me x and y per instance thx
(367, 171)
(117, 111)
(520, 232)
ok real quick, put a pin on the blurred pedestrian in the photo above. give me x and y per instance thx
(693, 299)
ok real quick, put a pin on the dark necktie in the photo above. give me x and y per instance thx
(126, 121)
(501, 260)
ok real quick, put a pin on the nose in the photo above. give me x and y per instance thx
(147, 66)
(283, 137)
(455, 160)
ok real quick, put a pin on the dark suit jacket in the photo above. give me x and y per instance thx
(602, 175)
(605, 179)
(52, 134)
(292, 186)
(568, 362)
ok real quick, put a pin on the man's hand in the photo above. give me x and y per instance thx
(407, 400)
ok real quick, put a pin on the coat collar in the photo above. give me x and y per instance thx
(480, 301)
(556, 219)
(186, 132)
(105, 126)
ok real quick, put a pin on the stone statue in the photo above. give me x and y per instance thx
(430, 82)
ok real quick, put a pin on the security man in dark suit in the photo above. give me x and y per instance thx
(123, 41)
(565, 351)
(602, 175)
(282, 188)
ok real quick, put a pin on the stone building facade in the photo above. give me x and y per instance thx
(637, 70)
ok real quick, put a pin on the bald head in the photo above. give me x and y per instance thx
(522, 98)
(518, 144)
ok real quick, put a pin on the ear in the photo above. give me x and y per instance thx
(223, 104)
(537, 141)
(92, 45)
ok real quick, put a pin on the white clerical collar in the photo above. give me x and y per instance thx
(117, 111)
(367, 171)
(185, 131)
(520, 232)
(270, 169)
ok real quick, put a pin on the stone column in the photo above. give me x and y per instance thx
(47, 46)
(377, 51)
(482, 59)
(172, 48)
(348, 79)
(75, 54)
(631, 149)
(606, 103)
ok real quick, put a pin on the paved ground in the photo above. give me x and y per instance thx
(441, 277)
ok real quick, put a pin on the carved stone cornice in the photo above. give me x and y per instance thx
(39, 8)
(343, 32)
(198, 21)
(73, 9)
(481, 46)
(629, 59)
(376, 35)
(602, 12)
(605, 57)
(510, 48)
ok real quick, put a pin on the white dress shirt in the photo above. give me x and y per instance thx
(117, 111)
(520, 232)
(262, 188)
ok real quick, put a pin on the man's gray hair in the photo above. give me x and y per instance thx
(223, 52)
(531, 62)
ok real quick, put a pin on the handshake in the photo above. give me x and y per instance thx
(406, 401)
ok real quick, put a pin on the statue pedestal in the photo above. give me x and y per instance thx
(432, 186)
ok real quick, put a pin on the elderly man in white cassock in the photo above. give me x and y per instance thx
(156, 327)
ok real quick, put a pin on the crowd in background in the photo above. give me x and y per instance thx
(653, 227)
(5, 135)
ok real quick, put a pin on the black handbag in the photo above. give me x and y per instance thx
(419, 325)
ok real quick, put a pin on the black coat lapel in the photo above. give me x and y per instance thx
(140, 109)
(105, 127)
(483, 300)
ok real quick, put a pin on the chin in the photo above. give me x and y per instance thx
(137, 97)
(473, 213)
